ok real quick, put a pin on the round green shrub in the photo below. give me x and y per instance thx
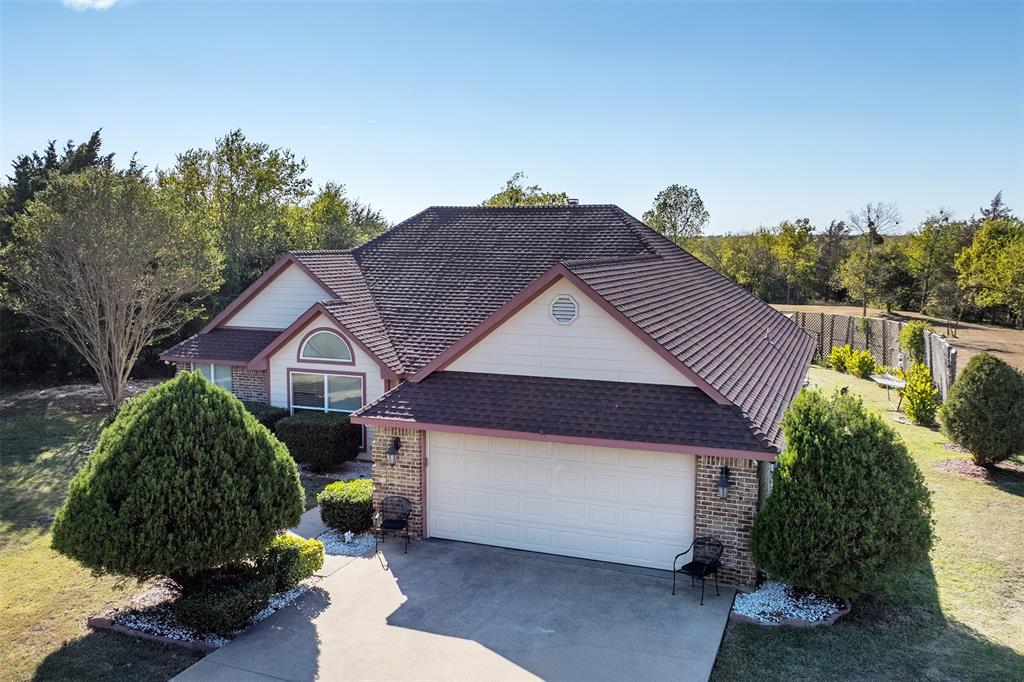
(912, 339)
(861, 363)
(289, 560)
(182, 482)
(319, 439)
(226, 605)
(347, 505)
(839, 357)
(984, 411)
(268, 415)
(848, 503)
(920, 397)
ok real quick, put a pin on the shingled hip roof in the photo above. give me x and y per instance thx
(626, 414)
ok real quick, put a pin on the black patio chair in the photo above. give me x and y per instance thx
(392, 518)
(706, 560)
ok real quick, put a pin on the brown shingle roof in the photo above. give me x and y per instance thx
(605, 410)
(225, 344)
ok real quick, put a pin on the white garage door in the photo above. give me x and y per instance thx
(625, 506)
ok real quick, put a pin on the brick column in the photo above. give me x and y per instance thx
(729, 520)
(249, 384)
(182, 367)
(406, 477)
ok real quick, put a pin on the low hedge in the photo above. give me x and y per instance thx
(319, 439)
(347, 505)
(268, 415)
(225, 606)
(289, 560)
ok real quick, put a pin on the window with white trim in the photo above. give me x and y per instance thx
(325, 346)
(564, 309)
(218, 374)
(326, 392)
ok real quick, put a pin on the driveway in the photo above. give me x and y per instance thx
(450, 610)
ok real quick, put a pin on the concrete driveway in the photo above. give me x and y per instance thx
(457, 611)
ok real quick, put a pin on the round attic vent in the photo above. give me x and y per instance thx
(564, 309)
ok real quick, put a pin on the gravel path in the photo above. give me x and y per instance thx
(776, 600)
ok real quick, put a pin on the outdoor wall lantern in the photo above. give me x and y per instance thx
(724, 483)
(393, 448)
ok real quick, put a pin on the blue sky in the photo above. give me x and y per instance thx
(771, 111)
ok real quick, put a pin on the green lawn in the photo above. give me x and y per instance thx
(959, 616)
(46, 598)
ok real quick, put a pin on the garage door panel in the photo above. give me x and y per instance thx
(611, 504)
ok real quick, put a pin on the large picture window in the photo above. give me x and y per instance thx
(218, 374)
(325, 346)
(326, 392)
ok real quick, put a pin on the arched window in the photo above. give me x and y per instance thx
(326, 345)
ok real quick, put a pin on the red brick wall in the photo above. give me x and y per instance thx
(249, 384)
(729, 520)
(405, 478)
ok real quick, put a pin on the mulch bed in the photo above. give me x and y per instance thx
(1004, 472)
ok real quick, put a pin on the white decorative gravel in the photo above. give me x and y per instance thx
(335, 545)
(776, 600)
(159, 619)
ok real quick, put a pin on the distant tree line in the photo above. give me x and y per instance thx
(210, 224)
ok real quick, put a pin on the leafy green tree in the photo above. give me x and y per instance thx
(848, 504)
(183, 482)
(871, 222)
(23, 349)
(678, 213)
(832, 247)
(99, 261)
(984, 411)
(517, 193)
(795, 251)
(884, 280)
(241, 193)
(992, 267)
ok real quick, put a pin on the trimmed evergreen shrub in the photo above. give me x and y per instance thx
(224, 606)
(861, 363)
(320, 439)
(289, 560)
(347, 505)
(268, 415)
(848, 503)
(920, 397)
(984, 411)
(839, 357)
(182, 482)
(912, 339)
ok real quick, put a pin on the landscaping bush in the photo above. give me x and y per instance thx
(182, 482)
(289, 560)
(848, 503)
(347, 505)
(839, 358)
(861, 363)
(224, 606)
(984, 411)
(920, 397)
(268, 415)
(320, 439)
(912, 339)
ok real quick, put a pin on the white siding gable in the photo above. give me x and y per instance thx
(281, 302)
(594, 346)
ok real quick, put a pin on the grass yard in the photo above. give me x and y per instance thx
(46, 598)
(958, 617)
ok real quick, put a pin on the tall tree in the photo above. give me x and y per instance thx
(517, 193)
(796, 254)
(99, 261)
(992, 268)
(678, 213)
(832, 249)
(872, 221)
(240, 193)
(996, 209)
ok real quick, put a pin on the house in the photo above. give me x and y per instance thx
(562, 380)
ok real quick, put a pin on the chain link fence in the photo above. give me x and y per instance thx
(882, 338)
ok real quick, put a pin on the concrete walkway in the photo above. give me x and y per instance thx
(310, 525)
(456, 611)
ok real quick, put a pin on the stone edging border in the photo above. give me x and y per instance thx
(793, 622)
(103, 623)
